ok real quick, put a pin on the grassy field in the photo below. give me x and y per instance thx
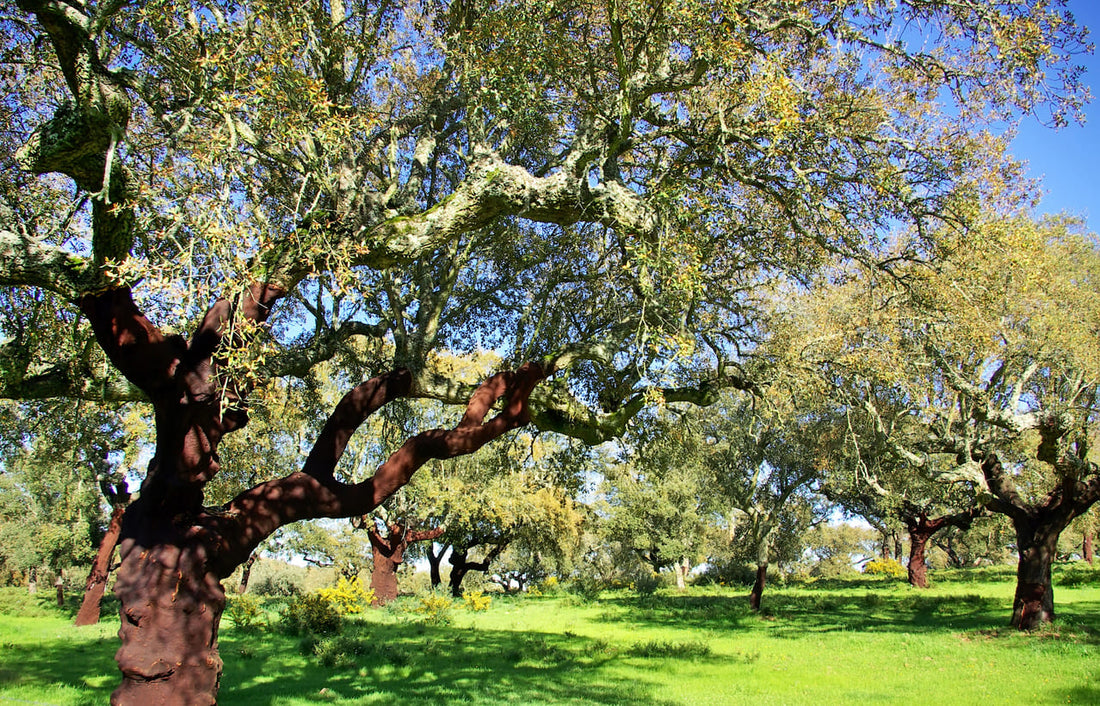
(855, 642)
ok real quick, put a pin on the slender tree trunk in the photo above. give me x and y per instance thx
(246, 573)
(32, 581)
(758, 586)
(434, 560)
(1086, 546)
(459, 568)
(101, 569)
(59, 584)
(682, 568)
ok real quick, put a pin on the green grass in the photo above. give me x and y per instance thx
(855, 642)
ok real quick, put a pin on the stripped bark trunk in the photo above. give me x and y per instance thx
(389, 554)
(101, 569)
(1086, 546)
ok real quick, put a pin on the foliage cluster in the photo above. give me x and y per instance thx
(312, 613)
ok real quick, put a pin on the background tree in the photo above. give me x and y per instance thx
(623, 175)
(996, 377)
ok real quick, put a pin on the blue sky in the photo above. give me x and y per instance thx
(1068, 160)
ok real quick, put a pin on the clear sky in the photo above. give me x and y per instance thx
(1068, 160)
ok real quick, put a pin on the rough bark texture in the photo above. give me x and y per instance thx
(1086, 547)
(101, 568)
(1033, 604)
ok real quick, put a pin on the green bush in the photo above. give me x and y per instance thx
(276, 586)
(312, 612)
(885, 567)
(587, 588)
(245, 612)
(646, 583)
(662, 648)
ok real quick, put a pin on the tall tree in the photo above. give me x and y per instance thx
(224, 193)
(989, 365)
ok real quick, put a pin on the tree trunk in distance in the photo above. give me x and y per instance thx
(682, 568)
(246, 573)
(59, 584)
(758, 586)
(918, 570)
(101, 569)
(383, 579)
(434, 560)
(1086, 546)
(459, 568)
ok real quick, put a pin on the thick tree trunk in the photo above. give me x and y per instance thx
(389, 554)
(918, 570)
(246, 573)
(758, 586)
(1033, 604)
(101, 569)
(171, 605)
(1086, 546)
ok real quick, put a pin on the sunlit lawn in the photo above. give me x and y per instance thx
(842, 643)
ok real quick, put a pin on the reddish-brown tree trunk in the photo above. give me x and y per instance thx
(918, 570)
(171, 605)
(101, 569)
(1086, 546)
(175, 553)
(758, 587)
(389, 554)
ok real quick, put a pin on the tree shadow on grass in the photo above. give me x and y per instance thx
(795, 614)
(413, 663)
(84, 669)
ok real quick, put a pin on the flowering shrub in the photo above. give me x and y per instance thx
(436, 609)
(348, 596)
(885, 567)
(244, 611)
(476, 600)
